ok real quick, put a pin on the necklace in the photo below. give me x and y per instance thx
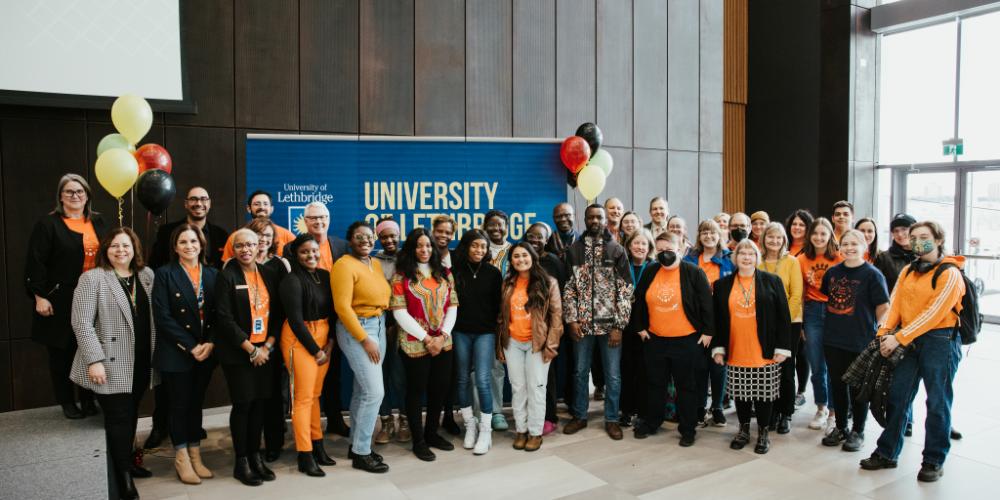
(129, 283)
(475, 272)
(747, 293)
(315, 278)
(254, 290)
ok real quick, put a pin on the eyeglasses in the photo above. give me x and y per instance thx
(196, 199)
(241, 246)
(363, 237)
(314, 218)
(74, 193)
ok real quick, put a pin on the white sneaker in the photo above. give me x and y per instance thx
(818, 421)
(831, 424)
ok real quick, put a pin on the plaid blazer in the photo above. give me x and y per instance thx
(102, 322)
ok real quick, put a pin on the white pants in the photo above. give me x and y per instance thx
(529, 375)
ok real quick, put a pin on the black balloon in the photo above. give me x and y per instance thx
(571, 179)
(592, 134)
(155, 190)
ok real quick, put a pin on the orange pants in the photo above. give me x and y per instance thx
(306, 381)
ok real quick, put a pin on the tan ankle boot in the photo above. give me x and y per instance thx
(199, 467)
(182, 464)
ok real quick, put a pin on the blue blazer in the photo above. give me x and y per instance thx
(175, 312)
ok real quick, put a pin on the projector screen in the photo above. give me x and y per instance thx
(85, 53)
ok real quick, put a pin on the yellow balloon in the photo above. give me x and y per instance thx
(132, 117)
(590, 181)
(116, 170)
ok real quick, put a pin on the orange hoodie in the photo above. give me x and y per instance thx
(917, 308)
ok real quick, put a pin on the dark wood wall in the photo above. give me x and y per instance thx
(649, 72)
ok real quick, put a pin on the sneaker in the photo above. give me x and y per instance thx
(819, 419)
(854, 442)
(908, 432)
(930, 473)
(800, 399)
(835, 437)
(876, 462)
(642, 432)
(499, 422)
(718, 419)
(702, 421)
(831, 423)
(548, 428)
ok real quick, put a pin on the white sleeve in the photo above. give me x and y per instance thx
(408, 324)
(450, 316)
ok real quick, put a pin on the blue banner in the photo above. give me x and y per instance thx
(412, 180)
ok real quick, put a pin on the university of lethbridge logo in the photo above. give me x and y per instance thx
(297, 220)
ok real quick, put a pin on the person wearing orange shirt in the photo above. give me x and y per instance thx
(820, 253)
(796, 226)
(529, 330)
(259, 205)
(923, 314)
(753, 339)
(673, 312)
(63, 245)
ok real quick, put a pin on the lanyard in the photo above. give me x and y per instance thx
(635, 279)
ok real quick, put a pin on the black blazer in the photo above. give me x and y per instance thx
(175, 311)
(52, 268)
(215, 242)
(696, 298)
(774, 325)
(233, 319)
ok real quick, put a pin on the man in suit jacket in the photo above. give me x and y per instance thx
(197, 204)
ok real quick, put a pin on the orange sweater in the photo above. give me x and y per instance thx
(916, 308)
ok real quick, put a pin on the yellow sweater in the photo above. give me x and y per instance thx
(358, 291)
(917, 308)
(788, 269)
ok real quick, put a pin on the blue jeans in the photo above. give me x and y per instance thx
(934, 358)
(813, 316)
(368, 391)
(394, 375)
(475, 352)
(611, 357)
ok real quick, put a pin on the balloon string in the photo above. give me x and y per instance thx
(121, 211)
(132, 219)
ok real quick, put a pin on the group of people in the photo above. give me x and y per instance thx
(663, 322)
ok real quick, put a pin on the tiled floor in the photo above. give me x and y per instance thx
(588, 465)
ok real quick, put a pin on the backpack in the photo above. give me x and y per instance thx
(970, 320)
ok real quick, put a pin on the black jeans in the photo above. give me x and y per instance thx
(431, 376)
(274, 407)
(560, 371)
(331, 387)
(60, 364)
(185, 392)
(844, 402)
(671, 357)
(633, 398)
(246, 423)
(121, 414)
(745, 408)
(785, 404)
(801, 361)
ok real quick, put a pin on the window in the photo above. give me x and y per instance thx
(979, 109)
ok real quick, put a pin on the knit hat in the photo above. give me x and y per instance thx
(902, 220)
(760, 215)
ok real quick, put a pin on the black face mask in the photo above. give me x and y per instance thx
(738, 234)
(667, 258)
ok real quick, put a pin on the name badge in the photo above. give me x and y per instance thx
(242, 287)
(258, 325)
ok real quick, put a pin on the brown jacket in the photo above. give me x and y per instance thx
(546, 328)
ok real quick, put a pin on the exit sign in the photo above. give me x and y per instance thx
(952, 147)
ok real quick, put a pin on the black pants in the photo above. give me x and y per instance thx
(671, 357)
(60, 364)
(161, 410)
(801, 361)
(633, 365)
(185, 392)
(744, 409)
(431, 376)
(844, 402)
(785, 404)
(560, 376)
(121, 414)
(274, 407)
(246, 422)
(331, 388)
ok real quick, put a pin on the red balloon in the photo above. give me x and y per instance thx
(153, 156)
(574, 153)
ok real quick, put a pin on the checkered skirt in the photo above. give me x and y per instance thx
(758, 384)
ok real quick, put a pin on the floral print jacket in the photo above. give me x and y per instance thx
(598, 294)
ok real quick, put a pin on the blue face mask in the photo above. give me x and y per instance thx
(922, 247)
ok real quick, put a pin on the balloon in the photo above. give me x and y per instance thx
(116, 170)
(592, 135)
(590, 181)
(574, 153)
(112, 141)
(155, 190)
(602, 159)
(153, 157)
(132, 117)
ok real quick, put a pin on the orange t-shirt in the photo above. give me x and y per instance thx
(325, 256)
(194, 274)
(744, 346)
(91, 245)
(520, 316)
(282, 237)
(813, 271)
(260, 307)
(711, 269)
(795, 248)
(666, 310)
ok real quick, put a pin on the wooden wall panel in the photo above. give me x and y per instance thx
(534, 68)
(208, 37)
(650, 49)
(266, 63)
(387, 67)
(734, 157)
(735, 91)
(4, 302)
(439, 67)
(614, 71)
(32, 385)
(489, 72)
(576, 85)
(6, 377)
(329, 66)
(734, 51)
(205, 157)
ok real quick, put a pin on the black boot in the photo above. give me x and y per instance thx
(368, 463)
(245, 474)
(784, 424)
(335, 425)
(126, 488)
(319, 454)
(156, 436)
(742, 437)
(352, 455)
(307, 465)
(71, 412)
(139, 469)
(449, 425)
(763, 441)
(258, 467)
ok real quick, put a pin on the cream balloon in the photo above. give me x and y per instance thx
(116, 170)
(602, 158)
(590, 181)
(132, 117)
